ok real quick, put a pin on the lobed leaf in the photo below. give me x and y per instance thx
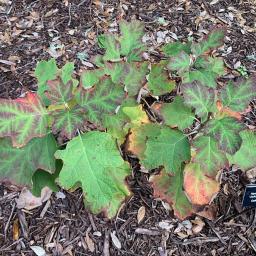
(138, 137)
(237, 96)
(17, 165)
(131, 39)
(170, 149)
(159, 81)
(174, 48)
(89, 78)
(134, 77)
(226, 132)
(23, 119)
(93, 161)
(115, 71)
(180, 63)
(199, 188)
(199, 97)
(67, 121)
(213, 41)
(245, 157)
(177, 114)
(210, 157)
(170, 188)
(112, 47)
(101, 100)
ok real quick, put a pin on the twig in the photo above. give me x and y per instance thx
(106, 244)
(8, 222)
(149, 232)
(200, 240)
(215, 231)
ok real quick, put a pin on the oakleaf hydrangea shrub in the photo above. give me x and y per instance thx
(82, 123)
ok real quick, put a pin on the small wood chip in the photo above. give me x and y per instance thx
(141, 214)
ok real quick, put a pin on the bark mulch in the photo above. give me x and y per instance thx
(34, 30)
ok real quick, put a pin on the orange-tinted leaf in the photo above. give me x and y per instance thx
(199, 188)
(170, 189)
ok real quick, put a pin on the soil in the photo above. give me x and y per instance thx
(61, 225)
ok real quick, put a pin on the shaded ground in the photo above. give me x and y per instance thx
(28, 32)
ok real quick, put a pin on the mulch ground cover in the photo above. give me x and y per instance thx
(31, 31)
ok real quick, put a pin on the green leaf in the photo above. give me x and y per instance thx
(115, 71)
(112, 47)
(170, 188)
(118, 124)
(237, 96)
(23, 119)
(199, 188)
(89, 78)
(138, 137)
(43, 179)
(199, 97)
(173, 49)
(180, 63)
(169, 149)
(245, 157)
(177, 114)
(131, 39)
(208, 69)
(211, 158)
(226, 132)
(93, 161)
(159, 81)
(101, 100)
(68, 121)
(213, 41)
(45, 70)
(17, 165)
(67, 72)
(58, 92)
(135, 77)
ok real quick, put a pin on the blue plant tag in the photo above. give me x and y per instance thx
(249, 199)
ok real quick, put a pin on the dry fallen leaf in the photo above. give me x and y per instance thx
(28, 201)
(16, 230)
(38, 250)
(141, 214)
(89, 243)
(115, 240)
(198, 225)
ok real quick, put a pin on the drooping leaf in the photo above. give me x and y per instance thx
(226, 132)
(138, 137)
(212, 41)
(101, 100)
(23, 119)
(112, 47)
(245, 157)
(169, 149)
(93, 161)
(58, 92)
(177, 114)
(90, 78)
(135, 77)
(45, 71)
(17, 165)
(43, 179)
(170, 188)
(67, 121)
(159, 81)
(180, 62)
(118, 124)
(237, 96)
(199, 97)
(199, 188)
(209, 155)
(131, 39)
(173, 49)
